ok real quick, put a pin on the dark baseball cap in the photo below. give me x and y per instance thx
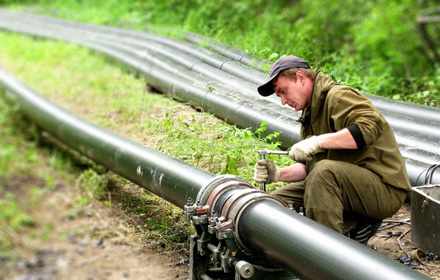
(283, 63)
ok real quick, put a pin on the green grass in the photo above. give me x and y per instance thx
(122, 104)
(24, 159)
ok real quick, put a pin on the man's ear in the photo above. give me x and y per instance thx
(301, 77)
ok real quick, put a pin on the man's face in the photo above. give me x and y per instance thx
(295, 94)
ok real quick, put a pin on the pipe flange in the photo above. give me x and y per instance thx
(220, 190)
(206, 190)
(240, 209)
(243, 202)
(234, 207)
(229, 204)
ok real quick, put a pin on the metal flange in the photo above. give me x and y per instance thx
(206, 190)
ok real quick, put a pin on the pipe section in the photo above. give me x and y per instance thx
(165, 176)
(258, 229)
(235, 54)
(417, 137)
(296, 243)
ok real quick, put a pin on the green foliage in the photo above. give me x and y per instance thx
(216, 147)
(6, 153)
(374, 46)
(12, 215)
(9, 2)
(93, 184)
(50, 182)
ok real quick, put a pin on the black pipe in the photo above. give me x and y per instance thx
(243, 57)
(263, 226)
(165, 176)
(310, 250)
(272, 125)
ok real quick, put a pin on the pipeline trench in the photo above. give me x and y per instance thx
(226, 87)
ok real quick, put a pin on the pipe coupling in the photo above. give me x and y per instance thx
(220, 203)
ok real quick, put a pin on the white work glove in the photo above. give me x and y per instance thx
(266, 172)
(305, 149)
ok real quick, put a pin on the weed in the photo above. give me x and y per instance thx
(51, 183)
(12, 215)
(36, 194)
(48, 228)
(93, 184)
(6, 153)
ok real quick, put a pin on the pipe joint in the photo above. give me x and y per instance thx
(216, 217)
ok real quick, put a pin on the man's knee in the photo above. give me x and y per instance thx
(323, 173)
(326, 167)
(278, 193)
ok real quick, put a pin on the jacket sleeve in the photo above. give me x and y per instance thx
(351, 109)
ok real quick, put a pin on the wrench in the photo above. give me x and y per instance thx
(263, 154)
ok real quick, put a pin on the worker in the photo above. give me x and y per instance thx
(348, 173)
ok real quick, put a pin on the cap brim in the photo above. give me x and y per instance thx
(266, 89)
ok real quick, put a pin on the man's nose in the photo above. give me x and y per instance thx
(283, 100)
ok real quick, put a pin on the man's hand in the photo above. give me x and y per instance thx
(305, 149)
(266, 172)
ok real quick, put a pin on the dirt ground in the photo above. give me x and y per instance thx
(95, 242)
(387, 242)
(91, 242)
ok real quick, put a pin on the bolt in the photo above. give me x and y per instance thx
(247, 271)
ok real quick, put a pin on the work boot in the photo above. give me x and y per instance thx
(365, 229)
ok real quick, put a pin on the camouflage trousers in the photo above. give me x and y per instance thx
(336, 193)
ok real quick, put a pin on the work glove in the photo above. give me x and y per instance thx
(266, 172)
(305, 149)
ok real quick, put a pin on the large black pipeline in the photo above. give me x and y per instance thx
(163, 175)
(298, 244)
(215, 60)
(232, 55)
(308, 243)
(410, 148)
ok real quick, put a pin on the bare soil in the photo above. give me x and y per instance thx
(98, 242)
(394, 241)
(90, 242)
